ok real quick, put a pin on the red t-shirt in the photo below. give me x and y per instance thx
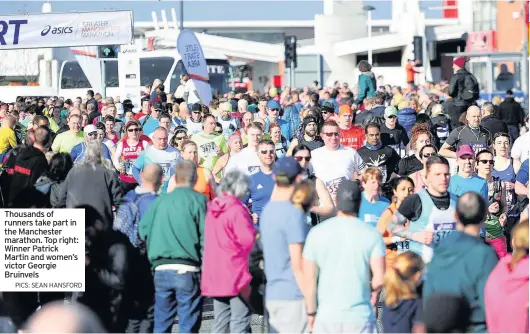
(353, 137)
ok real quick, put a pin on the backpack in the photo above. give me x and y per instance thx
(471, 89)
(128, 218)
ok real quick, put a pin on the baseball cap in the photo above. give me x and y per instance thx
(90, 129)
(390, 111)
(349, 196)
(158, 105)
(196, 107)
(286, 169)
(464, 150)
(272, 104)
(345, 110)
(328, 105)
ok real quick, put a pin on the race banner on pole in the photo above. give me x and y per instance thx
(65, 29)
(190, 51)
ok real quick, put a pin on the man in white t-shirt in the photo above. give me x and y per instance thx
(333, 162)
(247, 159)
(520, 148)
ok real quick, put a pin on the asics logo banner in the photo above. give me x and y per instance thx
(56, 30)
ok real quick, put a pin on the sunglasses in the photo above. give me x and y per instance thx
(307, 159)
(331, 134)
(275, 109)
(133, 130)
(267, 151)
(92, 134)
(391, 117)
(427, 155)
(486, 162)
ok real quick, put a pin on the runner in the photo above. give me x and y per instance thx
(372, 203)
(430, 213)
(159, 153)
(127, 151)
(247, 160)
(393, 134)
(466, 179)
(210, 143)
(351, 135)
(334, 163)
(472, 134)
(420, 135)
(310, 137)
(375, 154)
(262, 182)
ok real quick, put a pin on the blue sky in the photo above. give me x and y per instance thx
(208, 10)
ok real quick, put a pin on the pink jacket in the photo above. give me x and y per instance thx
(228, 239)
(506, 297)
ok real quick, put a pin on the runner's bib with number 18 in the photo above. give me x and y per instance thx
(441, 222)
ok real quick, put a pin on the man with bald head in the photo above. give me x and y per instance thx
(472, 134)
(159, 153)
(59, 318)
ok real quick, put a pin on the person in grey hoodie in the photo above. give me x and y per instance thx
(366, 82)
(92, 183)
(462, 261)
(49, 183)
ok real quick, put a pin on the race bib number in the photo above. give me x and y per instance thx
(128, 166)
(208, 149)
(400, 246)
(477, 147)
(333, 185)
(166, 170)
(442, 230)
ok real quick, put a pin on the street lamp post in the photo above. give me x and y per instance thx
(368, 9)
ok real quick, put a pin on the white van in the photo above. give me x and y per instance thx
(165, 65)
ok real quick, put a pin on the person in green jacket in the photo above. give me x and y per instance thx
(367, 83)
(173, 228)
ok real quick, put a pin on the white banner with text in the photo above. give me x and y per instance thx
(65, 29)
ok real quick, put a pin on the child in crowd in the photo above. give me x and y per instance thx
(402, 312)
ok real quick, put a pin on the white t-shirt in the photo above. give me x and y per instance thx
(246, 160)
(190, 88)
(332, 167)
(521, 146)
(193, 128)
(179, 93)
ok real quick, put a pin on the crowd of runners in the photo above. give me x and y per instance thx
(368, 208)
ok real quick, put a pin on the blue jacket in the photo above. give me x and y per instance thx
(407, 118)
(460, 266)
(291, 114)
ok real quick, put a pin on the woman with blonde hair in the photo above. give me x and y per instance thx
(402, 311)
(235, 145)
(205, 182)
(506, 291)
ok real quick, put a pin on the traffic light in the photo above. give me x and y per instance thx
(108, 51)
(290, 51)
(417, 50)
